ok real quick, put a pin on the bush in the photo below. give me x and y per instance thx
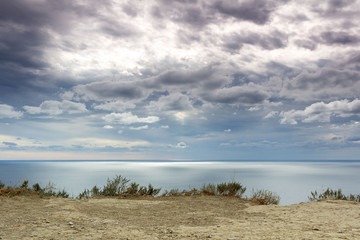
(36, 187)
(172, 192)
(62, 194)
(116, 186)
(208, 189)
(230, 189)
(25, 184)
(2, 185)
(333, 194)
(265, 197)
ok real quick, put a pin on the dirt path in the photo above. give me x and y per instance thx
(200, 217)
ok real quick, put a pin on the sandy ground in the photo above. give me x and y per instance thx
(198, 217)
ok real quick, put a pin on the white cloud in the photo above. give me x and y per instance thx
(164, 126)
(271, 114)
(321, 112)
(128, 118)
(139, 128)
(92, 143)
(180, 145)
(7, 111)
(52, 107)
(227, 130)
(114, 106)
(108, 127)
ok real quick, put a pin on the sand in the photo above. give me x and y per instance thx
(196, 217)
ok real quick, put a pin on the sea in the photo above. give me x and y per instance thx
(293, 181)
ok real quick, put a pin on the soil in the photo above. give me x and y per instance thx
(195, 217)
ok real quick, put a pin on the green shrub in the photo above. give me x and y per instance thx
(133, 189)
(265, 197)
(230, 189)
(84, 194)
(116, 186)
(333, 194)
(208, 189)
(95, 191)
(2, 185)
(62, 194)
(36, 187)
(151, 191)
(25, 184)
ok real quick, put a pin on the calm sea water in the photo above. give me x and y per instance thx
(292, 181)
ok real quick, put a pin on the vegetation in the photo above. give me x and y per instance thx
(35, 190)
(264, 197)
(333, 194)
(230, 189)
(119, 186)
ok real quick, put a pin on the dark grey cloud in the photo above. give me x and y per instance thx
(306, 43)
(119, 29)
(198, 14)
(189, 13)
(130, 9)
(335, 8)
(342, 38)
(109, 90)
(270, 41)
(256, 11)
(23, 48)
(236, 95)
(209, 77)
(325, 83)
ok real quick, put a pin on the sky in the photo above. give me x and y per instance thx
(179, 80)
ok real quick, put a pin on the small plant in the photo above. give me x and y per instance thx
(333, 194)
(116, 186)
(133, 189)
(25, 184)
(36, 187)
(264, 197)
(84, 194)
(62, 194)
(95, 191)
(2, 185)
(230, 189)
(208, 189)
(151, 191)
(172, 192)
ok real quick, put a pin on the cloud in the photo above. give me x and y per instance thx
(341, 37)
(227, 130)
(180, 145)
(256, 11)
(52, 107)
(271, 41)
(101, 143)
(172, 102)
(271, 114)
(114, 106)
(7, 111)
(128, 118)
(323, 84)
(139, 128)
(321, 112)
(108, 127)
(247, 94)
(109, 91)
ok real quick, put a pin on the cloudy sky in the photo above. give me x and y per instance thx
(182, 79)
